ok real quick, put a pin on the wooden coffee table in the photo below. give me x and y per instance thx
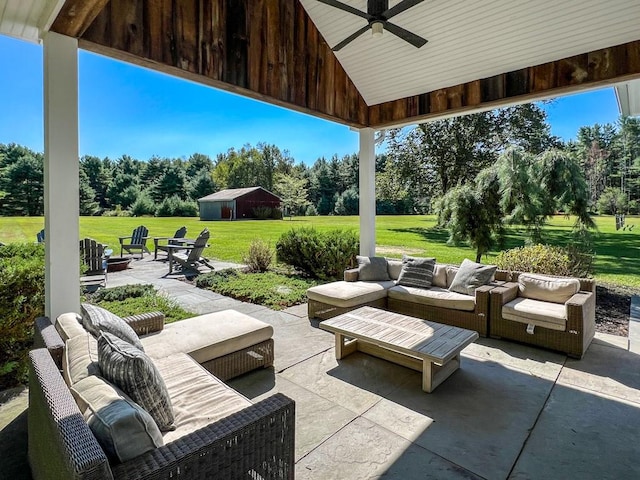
(428, 347)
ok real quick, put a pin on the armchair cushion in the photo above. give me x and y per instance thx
(123, 429)
(132, 371)
(96, 319)
(547, 289)
(472, 275)
(372, 269)
(536, 312)
(416, 272)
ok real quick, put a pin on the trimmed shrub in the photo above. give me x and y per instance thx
(21, 302)
(176, 207)
(546, 259)
(118, 294)
(143, 206)
(259, 257)
(323, 255)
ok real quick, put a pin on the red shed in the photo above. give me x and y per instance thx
(236, 203)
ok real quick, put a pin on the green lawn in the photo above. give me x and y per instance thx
(617, 252)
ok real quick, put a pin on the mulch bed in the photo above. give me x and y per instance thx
(613, 304)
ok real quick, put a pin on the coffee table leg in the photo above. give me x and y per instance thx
(433, 375)
(344, 347)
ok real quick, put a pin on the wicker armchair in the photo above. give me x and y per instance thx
(573, 340)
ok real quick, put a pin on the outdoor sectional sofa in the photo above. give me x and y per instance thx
(216, 431)
(557, 313)
(434, 303)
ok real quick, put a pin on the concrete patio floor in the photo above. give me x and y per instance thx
(511, 411)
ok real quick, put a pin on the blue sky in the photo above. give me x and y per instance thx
(129, 110)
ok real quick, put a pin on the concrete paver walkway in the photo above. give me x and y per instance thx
(511, 411)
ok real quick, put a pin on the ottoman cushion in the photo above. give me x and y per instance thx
(208, 336)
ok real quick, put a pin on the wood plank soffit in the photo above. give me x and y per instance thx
(264, 49)
(76, 15)
(589, 70)
(271, 50)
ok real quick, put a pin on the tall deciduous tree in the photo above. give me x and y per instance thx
(293, 192)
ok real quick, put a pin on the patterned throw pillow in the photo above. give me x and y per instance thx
(134, 373)
(416, 272)
(472, 275)
(96, 319)
(372, 269)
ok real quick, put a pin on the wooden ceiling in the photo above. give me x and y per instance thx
(272, 50)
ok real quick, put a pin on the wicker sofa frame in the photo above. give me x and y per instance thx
(226, 367)
(573, 341)
(257, 442)
(477, 320)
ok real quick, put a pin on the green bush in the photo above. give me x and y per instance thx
(323, 255)
(21, 302)
(311, 211)
(118, 294)
(546, 259)
(271, 289)
(143, 205)
(176, 207)
(211, 279)
(259, 257)
(134, 299)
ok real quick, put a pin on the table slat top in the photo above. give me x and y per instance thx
(422, 338)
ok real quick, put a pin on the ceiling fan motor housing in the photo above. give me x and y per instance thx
(376, 7)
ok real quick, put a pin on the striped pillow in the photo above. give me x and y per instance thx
(96, 319)
(134, 373)
(416, 272)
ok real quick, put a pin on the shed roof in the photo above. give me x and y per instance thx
(232, 193)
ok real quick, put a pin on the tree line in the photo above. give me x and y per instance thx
(419, 166)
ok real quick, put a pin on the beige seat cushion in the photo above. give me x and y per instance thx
(547, 289)
(207, 336)
(80, 358)
(68, 325)
(434, 296)
(197, 397)
(121, 426)
(535, 312)
(349, 294)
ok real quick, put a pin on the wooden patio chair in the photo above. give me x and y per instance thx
(93, 257)
(189, 261)
(137, 241)
(175, 240)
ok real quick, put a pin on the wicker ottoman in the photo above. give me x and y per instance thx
(226, 343)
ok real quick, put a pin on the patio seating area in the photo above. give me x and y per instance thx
(510, 411)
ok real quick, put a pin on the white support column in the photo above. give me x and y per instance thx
(61, 175)
(367, 182)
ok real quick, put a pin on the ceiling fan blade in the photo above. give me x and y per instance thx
(346, 8)
(351, 38)
(399, 8)
(406, 35)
